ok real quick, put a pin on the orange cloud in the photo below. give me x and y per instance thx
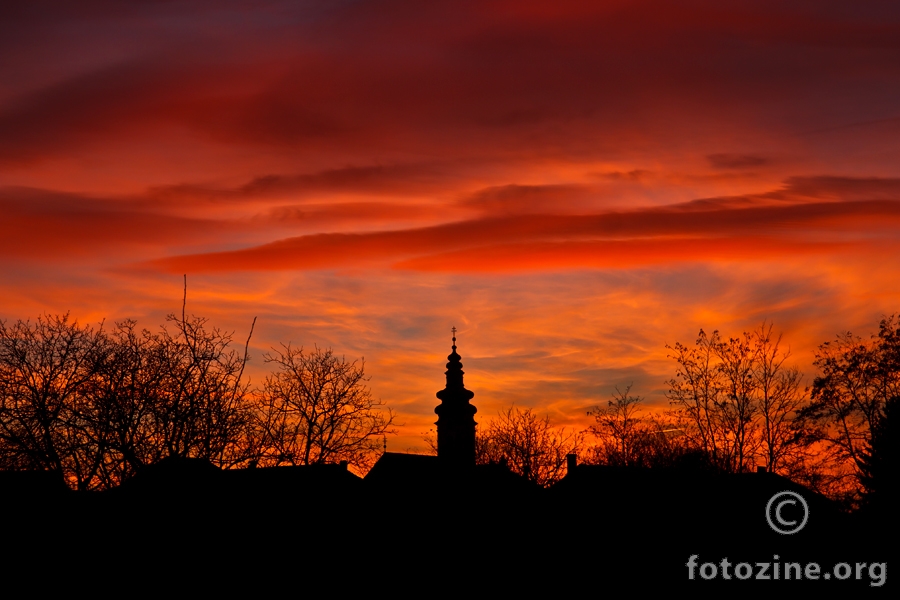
(563, 241)
(617, 254)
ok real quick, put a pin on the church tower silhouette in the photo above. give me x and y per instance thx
(456, 422)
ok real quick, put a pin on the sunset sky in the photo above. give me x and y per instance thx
(572, 184)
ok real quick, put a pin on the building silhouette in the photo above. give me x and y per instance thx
(452, 473)
(455, 436)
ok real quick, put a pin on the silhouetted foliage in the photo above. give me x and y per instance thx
(528, 444)
(316, 408)
(857, 377)
(879, 463)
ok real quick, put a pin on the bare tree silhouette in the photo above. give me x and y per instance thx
(631, 437)
(96, 406)
(528, 444)
(738, 401)
(48, 372)
(618, 426)
(316, 408)
(200, 407)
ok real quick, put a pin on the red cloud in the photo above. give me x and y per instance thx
(39, 224)
(647, 235)
(616, 254)
(453, 80)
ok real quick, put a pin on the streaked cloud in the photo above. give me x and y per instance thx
(711, 229)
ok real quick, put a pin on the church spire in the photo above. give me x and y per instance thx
(456, 422)
(454, 368)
